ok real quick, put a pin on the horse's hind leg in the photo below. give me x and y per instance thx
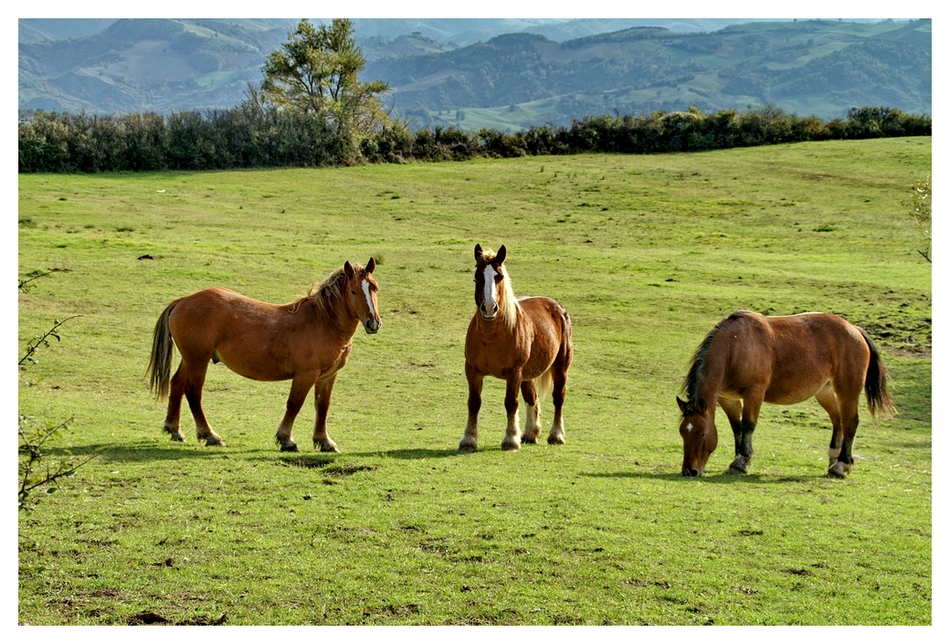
(173, 417)
(829, 401)
(532, 427)
(848, 412)
(558, 394)
(193, 374)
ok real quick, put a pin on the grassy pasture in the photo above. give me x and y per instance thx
(645, 252)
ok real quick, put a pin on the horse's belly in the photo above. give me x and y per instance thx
(254, 370)
(786, 393)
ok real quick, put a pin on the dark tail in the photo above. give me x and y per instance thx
(875, 384)
(160, 362)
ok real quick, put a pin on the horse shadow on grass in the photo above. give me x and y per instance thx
(170, 451)
(136, 452)
(708, 479)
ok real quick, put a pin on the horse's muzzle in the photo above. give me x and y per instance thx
(488, 312)
(688, 471)
(372, 326)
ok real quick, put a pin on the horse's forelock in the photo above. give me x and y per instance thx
(488, 256)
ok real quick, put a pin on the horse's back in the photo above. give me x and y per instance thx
(204, 321)
(795, 355)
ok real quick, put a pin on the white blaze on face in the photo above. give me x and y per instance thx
(369, 300)
(689, 427)
(490, 273)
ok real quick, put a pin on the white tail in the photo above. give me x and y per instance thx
(544, 385)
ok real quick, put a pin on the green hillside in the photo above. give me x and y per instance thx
(820, 68)
(509, 81)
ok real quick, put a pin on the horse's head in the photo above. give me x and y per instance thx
(489, 277)
(698, 429)
(360, 293)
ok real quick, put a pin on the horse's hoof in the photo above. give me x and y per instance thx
(839, 470)
(511, 446)
(177, 438)
(327, 447)
(289, 447)
(739, 465)
(214, 441)
(531, 439)
(555, 440)
(468, 444)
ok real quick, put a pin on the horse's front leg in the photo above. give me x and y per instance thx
(321, 400)
(469, 442)
(299, 389)
(733, 409)
(744, 451)
(512, 440)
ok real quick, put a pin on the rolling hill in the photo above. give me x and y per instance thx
(506, 75)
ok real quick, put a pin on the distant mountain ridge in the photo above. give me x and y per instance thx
(526, 73)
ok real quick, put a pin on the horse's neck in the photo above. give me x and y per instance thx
(710, 383)
(332, 310)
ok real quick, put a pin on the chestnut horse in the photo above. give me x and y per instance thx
(748, 359)
(520, 341)
(307, 341)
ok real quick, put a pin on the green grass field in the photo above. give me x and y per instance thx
(647, 253)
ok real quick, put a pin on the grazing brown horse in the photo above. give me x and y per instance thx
(520, 341)
(748, 359)
(307, 341)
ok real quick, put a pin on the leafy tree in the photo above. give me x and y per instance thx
(316, 73)
(920, 204)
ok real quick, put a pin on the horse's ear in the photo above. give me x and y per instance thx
(478, 252)
(371, 266)
(500, 257)
(348, 269)
(701, 405)
(682, 405)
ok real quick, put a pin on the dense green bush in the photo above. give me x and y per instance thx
(259, 135)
